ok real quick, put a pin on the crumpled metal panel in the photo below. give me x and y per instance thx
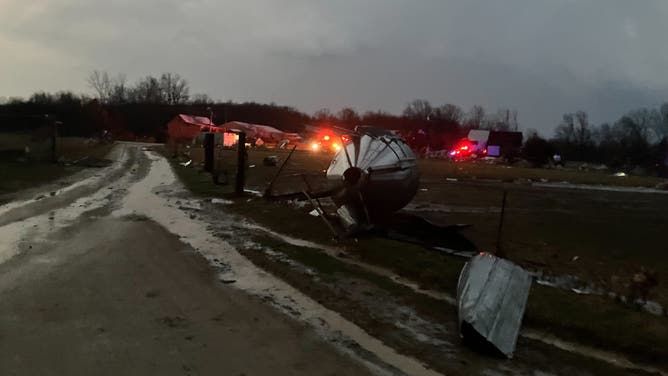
(492, 294)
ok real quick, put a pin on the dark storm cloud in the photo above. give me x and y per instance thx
(540, 57)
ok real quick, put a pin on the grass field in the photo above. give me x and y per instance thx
(477, 170)
(19, 171)
(602, 237)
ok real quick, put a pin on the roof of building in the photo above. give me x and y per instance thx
(195, 120)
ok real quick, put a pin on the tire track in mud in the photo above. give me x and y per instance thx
(50, 200)
(26, 224)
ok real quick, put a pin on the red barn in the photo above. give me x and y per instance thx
(187, 127)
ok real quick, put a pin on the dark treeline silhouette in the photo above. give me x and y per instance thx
(638, 138)
(142, 110)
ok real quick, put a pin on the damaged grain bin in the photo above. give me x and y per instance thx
(492, 294)
(379, 175)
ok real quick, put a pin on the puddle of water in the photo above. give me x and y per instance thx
(141, 199)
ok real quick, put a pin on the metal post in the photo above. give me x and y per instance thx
(208, 152)
(54, 137)
(241, 164)
(498, 235)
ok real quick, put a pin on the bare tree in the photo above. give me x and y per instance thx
(147, 90)
(324, 115)
(419, 109)
(476, 117)
(101, 83)
(638, 126)
(119, 90)
(201, 99)
(512, 120)
(582, 132)
(565, 132)
(662, 126)
(174, 88)
(450, 113)
(349, 117)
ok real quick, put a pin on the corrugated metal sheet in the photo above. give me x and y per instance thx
(491, 296)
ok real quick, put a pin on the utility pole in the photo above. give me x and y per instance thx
(241, 164)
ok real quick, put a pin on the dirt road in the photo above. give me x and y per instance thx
(91, 284)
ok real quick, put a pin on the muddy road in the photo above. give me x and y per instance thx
(90, 284)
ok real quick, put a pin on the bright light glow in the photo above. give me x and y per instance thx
(315, 146)
(345, 139)
(326, 138)
(336, 146)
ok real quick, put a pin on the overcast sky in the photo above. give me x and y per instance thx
(542, 58)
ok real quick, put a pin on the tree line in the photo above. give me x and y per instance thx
(638, 138)
(143, 108)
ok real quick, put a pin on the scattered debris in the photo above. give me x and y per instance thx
(299, 204)
(221, 201)
(451, 179)
(253, 192)
(186, 164)
(619, 174)
(418, 230)
(492, 294)
(315, 213)
(271, 160)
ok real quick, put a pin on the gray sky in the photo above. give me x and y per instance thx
(542, 58)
